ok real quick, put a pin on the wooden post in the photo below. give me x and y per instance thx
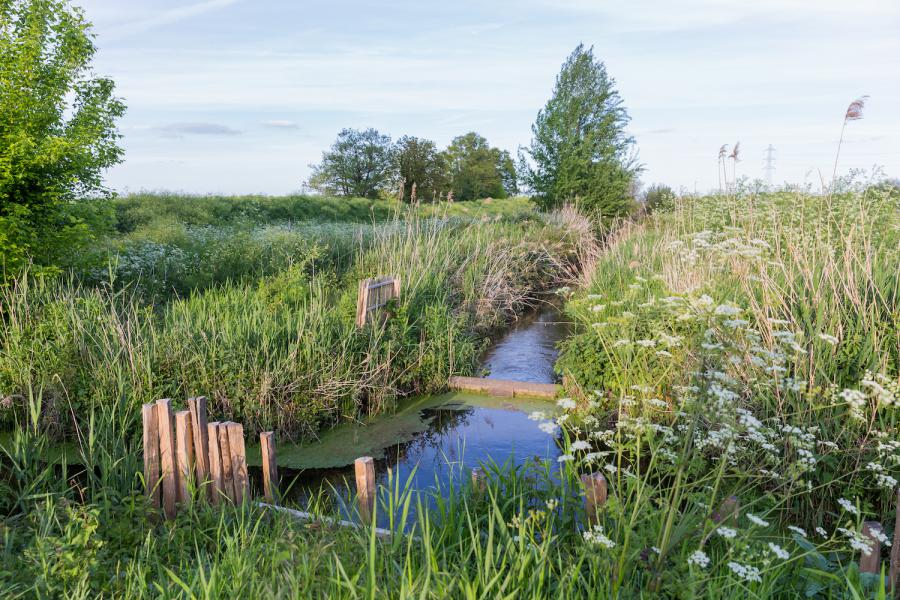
(728, 511)
(227, 465)
(184, 453)
(269, 465)
(167, 457)
(479, 483)
(199, 422)
(895, 547)
(365, 487)
(238, 462)
(362, 303)
(871, 562)
(217, 488)
(595, 493)
(151, 453)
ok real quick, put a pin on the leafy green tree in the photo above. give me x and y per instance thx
(476, 170)
(57, 131)
(420, 164)
(580, 150)
(359, 163)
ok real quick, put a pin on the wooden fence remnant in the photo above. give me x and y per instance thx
(595, 494)
(373, 295)
(167, 457)
(215, 464)
(184, 453)
(238, 462)
(151, 453)
(199, 423)
(870, 562)
(365, 487)
(269, 465)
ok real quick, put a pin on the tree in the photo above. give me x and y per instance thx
(57, 130)
(476, 170)
(420, 164)
(580, 150)
(359, 163)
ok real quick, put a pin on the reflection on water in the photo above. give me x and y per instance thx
(459, 433)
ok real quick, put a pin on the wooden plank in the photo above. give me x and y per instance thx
(184, 454)
(217, 486)
(365, 487)
(227, 468)
(595, 494)
(151, 453)
(895, 546)
(269, 465)
(238, 462)
(870, 562)
(362, 303)
(167, 457)
(199, 423)
(505, 387)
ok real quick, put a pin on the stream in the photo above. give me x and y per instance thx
(438, 438)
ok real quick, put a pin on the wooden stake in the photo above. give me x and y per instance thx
(217, 488)
(151, 453)
(269, 465)
(895, 547)
(479, 483)
(167, 457)
(199, 422)
(184, 453)
(227, 465)
(871, 562)
(365, 487)
(595, 494)
(238, 462)
(362, 303)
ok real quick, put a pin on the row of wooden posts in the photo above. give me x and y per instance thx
(186, 457)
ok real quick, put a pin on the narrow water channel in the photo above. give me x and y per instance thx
(437, 438)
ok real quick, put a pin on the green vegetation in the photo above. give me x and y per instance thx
(744, 346)
(57, 131)
(580, 151)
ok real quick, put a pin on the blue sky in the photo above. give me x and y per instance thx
(239, 96)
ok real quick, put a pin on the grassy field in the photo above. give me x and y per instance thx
(728, 346)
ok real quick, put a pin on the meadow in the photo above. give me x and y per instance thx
(741, 346)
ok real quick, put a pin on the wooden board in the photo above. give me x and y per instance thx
(238, 462)
(167, 457)
(184, 453)
(151, 453)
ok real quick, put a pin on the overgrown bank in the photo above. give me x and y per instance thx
(283, 352)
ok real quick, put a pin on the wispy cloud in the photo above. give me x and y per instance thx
(182, 129)
(280, 124)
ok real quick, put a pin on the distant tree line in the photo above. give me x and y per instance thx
(368, 164)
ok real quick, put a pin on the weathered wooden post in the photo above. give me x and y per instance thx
(225, 454)
(269, 465)
(895, 547)
(151, 453)
(199, 426)
(184, 452)
(870, 562)
(215, 464)
(362, 303)
(238, 462)
(365, 487)
(595, 493)
(479, 482)
(167, 457)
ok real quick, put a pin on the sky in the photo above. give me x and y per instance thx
(241, 96)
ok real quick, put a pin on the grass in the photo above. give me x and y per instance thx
(739, 346)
